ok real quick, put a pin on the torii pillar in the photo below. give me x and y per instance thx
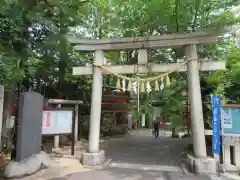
(198, 161)
(95, 156)
(194, 89)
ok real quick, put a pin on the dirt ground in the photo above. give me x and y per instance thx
(60, 168)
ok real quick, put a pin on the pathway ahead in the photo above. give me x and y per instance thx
(142, 148)
(139, 156)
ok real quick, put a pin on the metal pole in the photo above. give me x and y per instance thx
(222, 133)
(1, 112)
(73, 131)
(76, 122)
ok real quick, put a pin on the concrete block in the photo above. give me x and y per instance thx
(93, 159)
(202, 166)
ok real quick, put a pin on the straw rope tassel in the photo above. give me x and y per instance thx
(134, 87)
(156, 86)
(168, 82)
(118, 84)
(148, 87)
(124, 85)
(162, 84)
(130, 86)
(142, 87)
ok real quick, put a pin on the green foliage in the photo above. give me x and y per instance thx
(33, 48)
(172, 101)
(34, 51)
(227, 83)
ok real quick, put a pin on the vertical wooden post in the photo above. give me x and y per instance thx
(197, 124)
(76, 122)
(56, 137)
(96, 102)
(1, 112)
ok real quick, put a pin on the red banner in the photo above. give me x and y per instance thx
(48, 120)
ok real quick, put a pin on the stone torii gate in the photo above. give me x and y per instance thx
(95, 156)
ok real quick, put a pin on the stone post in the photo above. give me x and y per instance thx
(94, 132)
(199, 162)
(94, 156)
(194, 89)
(29, 133)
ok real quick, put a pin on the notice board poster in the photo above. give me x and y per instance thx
(231, 120)
(57, 122)
(227, 118)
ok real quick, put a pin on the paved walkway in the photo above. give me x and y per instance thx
(142, 148)
(139, 156)
(131, 174)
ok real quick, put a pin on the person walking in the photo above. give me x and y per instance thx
(156, 128)
(129, 120)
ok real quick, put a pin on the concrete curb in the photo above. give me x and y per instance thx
(224, 176)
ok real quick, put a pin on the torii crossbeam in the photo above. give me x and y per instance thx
(203, 65)
(95, 156)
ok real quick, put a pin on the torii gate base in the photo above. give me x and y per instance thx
(93, 159)
(198, 162)
(207, 165)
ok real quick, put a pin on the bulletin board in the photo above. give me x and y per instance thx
(57, 121)
(231, 119)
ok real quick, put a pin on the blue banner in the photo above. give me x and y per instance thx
(216, 124)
